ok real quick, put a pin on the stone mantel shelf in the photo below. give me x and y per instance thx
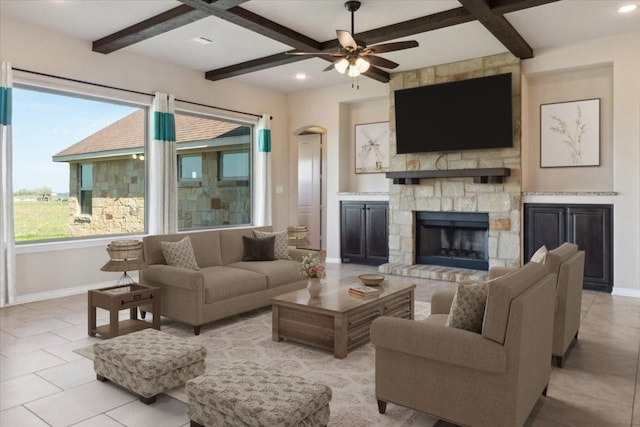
(480, 176)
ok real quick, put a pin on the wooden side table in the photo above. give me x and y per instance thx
(122, 297)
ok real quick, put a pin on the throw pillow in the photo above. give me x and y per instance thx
(256, 249)
(540, 256)
(179, 254)
(281, 245)
(467, 308)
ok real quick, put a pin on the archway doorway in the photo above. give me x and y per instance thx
(311, 193)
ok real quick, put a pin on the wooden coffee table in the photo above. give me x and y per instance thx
(337, 321)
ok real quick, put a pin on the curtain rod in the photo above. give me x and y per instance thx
(133, 91)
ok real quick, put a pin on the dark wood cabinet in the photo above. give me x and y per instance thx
(588, 226)
(364, 232)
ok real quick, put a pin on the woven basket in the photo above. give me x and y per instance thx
(125, 249)
(297, 232)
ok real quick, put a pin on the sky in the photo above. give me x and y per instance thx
(44, 124)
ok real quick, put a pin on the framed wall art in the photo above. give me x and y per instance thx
(570, 134)
(372, 147)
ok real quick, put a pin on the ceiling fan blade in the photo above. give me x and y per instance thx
(314, 53)
(331, 67)
(346, 40)
(381, 62)
(392, 47)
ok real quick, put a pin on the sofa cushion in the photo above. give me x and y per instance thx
(180, 254)
(540, 255)
(231, 242)
(222, 282)
(256, 249)
(502, 291)
(279, 272)
(467, 308)
(206, 247)
(281, 244)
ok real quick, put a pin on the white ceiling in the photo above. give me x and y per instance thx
(547, 26)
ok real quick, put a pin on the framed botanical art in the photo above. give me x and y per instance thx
(372, 147)
(570, 134)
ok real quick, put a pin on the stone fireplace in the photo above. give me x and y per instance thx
(499, 202)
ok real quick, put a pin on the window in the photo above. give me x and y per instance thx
(214, 172)
(190, 167)
(234, 165)
(86, 185)
(73, 166)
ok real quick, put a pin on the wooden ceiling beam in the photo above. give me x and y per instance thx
(156, 25)
(411, 27)
(499, 26)
(258, 24)
(252, 66)
(507, 6)
(488, 12)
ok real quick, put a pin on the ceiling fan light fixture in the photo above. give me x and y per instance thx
(353, 71)
(362, 65)
(627, 8)
(341, 66)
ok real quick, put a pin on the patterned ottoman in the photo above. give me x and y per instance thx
(248, 395)
(148, 362)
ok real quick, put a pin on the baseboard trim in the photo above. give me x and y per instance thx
(333, 260)
(65, 292)
(626, 292)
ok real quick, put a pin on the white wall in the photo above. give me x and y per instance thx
(622, 54)
(58, 268)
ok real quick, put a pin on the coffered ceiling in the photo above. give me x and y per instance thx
(250, 38)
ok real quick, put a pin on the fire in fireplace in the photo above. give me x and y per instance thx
(452, 239)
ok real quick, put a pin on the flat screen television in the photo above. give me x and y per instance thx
(472, 114)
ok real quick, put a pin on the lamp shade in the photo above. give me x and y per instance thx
(341, 66)
(126, 255)
(362, 64)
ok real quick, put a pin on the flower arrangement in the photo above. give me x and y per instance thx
(311, 267)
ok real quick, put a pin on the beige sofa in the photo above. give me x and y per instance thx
(492, 378)
(225, 285)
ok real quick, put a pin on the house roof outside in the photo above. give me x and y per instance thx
(127, 135)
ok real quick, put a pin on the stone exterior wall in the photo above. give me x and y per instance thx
(501, 201)
(211, 202)
(118, 204)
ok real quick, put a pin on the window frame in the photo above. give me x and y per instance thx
(87, 91)
(221, 155)
(179, 156)
(84, 190)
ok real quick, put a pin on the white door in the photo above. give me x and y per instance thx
(310, 186)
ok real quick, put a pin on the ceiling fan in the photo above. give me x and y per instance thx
(354, 56)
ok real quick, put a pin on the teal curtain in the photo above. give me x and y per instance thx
(7, 244)
(262, 173)
(163, 158)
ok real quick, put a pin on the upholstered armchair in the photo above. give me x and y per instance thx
(567, 262)
(488, 378)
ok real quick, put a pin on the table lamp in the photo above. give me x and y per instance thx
(126, 255)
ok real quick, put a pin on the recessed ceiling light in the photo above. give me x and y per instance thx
(202, 41)
(627, 8)
(301, 76)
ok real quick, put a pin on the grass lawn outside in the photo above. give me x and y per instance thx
(40, 220)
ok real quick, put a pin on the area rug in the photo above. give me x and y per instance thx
(247, 337)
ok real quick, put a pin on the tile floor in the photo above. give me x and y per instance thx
(44, 383)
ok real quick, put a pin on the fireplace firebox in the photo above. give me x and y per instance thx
(452, 239)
